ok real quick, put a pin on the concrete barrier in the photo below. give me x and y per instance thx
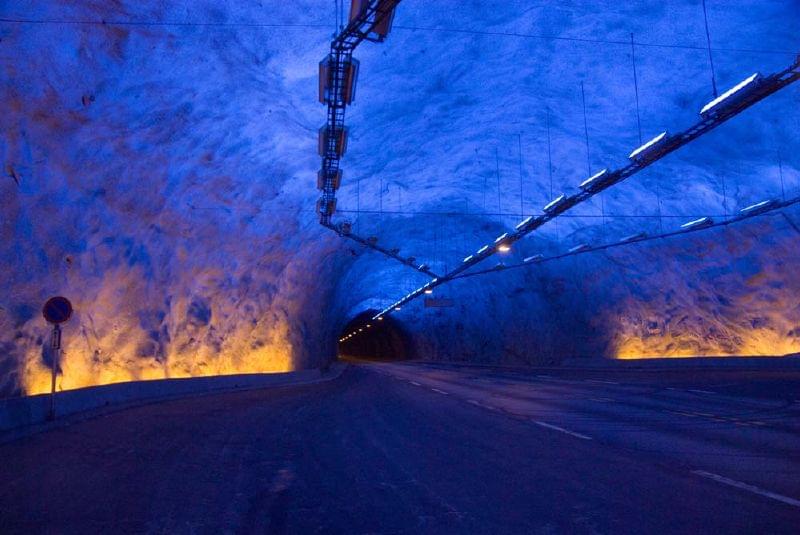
(23, 412)
(755, 363)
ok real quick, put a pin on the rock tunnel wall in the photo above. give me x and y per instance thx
(160, 173)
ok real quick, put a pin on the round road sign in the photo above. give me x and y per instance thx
(57, 309)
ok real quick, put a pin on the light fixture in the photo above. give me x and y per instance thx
(648, 147)
(428, 291)
(534, 258)
(504, 247)
(483, 249)
(634, 237)
(397, 308)
(524, 222)
(762, 206)
(467, 259)
(578, 248)
(501, 237)
(380, 318)
(593, 180)
(740, 89)
(552, 205)
(698, 223)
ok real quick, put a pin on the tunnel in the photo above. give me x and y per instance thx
(383, 340)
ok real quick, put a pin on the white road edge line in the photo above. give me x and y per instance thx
(561, 429)
(415, 383)
(439, 391)
(745, 486)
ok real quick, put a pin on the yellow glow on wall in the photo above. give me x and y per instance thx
(760, 342)
(103, 342)
(750, 332)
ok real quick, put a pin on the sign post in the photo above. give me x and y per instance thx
(56, 311)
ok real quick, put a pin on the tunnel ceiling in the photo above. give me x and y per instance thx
(160, 162)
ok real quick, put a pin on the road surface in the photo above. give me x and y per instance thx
(414, 448)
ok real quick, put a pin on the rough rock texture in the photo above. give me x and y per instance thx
(158, 169)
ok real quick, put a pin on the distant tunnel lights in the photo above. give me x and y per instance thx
(731, 95)
(648, 147)
(504, 247)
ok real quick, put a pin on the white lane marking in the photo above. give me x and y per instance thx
(561, 429)
(481, 405)
(439, 391)
(599, 381)
(415, 383)
(749, 488)
(701, 391)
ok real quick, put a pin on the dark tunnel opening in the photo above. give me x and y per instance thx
(383, 340)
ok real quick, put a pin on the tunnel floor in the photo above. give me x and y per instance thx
(391, 448)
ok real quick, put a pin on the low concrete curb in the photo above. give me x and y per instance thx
(26, 415)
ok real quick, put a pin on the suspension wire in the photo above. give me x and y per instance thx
(586, 131)
(550, 163)
(88, 22)
(519, 143)
(724, 197)
(497, 173)
(710, 56)
(780, 173)
(589, 159)
(636, 89)
(549, 154)
(589, 40)
(505, 214)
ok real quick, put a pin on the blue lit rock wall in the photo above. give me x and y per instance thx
(161, 174)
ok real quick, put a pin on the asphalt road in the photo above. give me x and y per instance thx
(391, 448)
